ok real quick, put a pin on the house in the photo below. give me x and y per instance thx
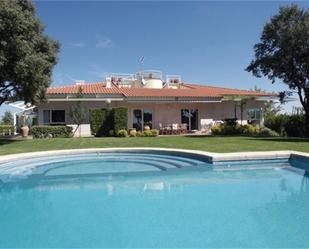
(153, 101)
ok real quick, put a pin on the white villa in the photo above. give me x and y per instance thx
(154, 101)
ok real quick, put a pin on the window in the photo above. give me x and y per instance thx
(58, 116)
(190, 117)
(142, 118)
(137, 119)
(148, 117)
(53, 116)
(46, 116)
(254, 114)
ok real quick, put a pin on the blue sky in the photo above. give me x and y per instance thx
(205, 42)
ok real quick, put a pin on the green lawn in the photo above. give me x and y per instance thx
(212, 144)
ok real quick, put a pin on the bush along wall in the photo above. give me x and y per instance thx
(6, 130)
(101, 122)
(107, 122)
(120, 119)
(287, 125)
(47, 131)
(247, 130)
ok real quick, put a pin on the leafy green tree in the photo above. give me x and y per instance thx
(283, 53)
(78, 112)
(27, 55)
(7, 118)
(271, 108)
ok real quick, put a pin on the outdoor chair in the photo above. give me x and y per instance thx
(183, 128)
(175, 129)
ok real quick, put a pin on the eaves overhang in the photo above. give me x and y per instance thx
(84, 97)
(174, 99)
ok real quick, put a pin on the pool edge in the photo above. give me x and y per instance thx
(211, 157)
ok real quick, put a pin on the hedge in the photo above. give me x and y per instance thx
(6, 130)
(45, 131)
(277, 123)
(120, 119)
(107, 122)
(97, 120)
(296, 126)
(247, 130)
(287, 125)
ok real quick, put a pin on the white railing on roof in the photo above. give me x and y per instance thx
(149, 74)
(122, 79)
(173, 80)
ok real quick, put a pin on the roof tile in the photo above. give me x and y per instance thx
(188, 90)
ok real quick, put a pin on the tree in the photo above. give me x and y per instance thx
(271, 107)
(27, 55)
(283, 53)
(7, 118)
(77, 112)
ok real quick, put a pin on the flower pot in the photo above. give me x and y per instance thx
(24, 131)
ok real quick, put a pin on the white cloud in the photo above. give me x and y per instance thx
(104, 43)
(78, 44)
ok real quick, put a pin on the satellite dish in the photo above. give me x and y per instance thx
(143, 81)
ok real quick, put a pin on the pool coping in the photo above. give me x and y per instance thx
(210, 157)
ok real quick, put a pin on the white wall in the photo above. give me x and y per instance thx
(162, 112)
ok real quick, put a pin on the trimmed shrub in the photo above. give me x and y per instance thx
(216, 129)
(6, 130)
(266, 132)
(120, 119)
(147, 133)
(45, 131)
(133, 133)
(154, 132)
(235, 129)
(228, 128)
(102, 121)
(250, 130)
(139, 134)
(122, 133)
(150, 133)
(97, 117)
(296, 126)
(277, 123)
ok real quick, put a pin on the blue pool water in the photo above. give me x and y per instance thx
(151, 200)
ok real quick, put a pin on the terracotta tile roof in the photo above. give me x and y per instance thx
(88, 88)
(187, 90)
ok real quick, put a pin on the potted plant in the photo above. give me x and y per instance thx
(24, 127)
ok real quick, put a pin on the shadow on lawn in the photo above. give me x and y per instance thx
(282, 139)
(273, 139)
(8, 141)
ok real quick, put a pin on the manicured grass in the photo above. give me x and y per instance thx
(212, 144)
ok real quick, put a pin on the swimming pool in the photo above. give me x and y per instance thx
(152, 200)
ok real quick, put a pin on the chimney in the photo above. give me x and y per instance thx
(108, 82)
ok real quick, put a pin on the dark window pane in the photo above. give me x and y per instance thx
(58, 116)
(185, 114)
(46, 116)
(194, 119)
(137, 119)
(148, 117)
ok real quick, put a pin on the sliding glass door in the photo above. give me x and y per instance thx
(142, 118)
(190, 117)
(137, 119)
